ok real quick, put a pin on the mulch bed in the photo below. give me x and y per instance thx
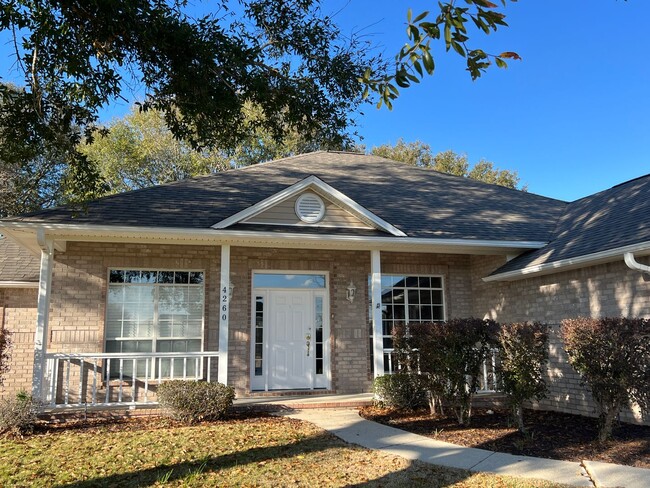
(550, 435)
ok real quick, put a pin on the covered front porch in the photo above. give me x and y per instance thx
(363, 293)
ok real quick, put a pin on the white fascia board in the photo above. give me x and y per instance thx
(26, 233)
(571, 263)
(18, 284)
(312, 182)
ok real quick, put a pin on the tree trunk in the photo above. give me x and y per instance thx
(518, 413)
(606, 423)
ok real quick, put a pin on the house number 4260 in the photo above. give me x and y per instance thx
(224, 303)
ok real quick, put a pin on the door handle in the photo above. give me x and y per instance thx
(308, 340)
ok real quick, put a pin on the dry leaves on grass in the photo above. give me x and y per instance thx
(244, 451)
(551, 435)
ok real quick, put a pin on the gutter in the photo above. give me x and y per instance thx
(18, 284)
(635, 265)
(24, 232)
(573, 263)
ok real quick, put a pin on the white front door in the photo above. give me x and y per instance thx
(291, 328)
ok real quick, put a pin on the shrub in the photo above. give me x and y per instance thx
(401, 390)
(613, 357)
(523, 352)
(5, 345)
(18, 415)
(192, 401)
(449, 356)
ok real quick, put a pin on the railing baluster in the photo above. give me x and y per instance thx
(53, 376)
(81, 381)
(494, 369)
(209, 367)
(485, 378)
(171, 366)
(135, 370)
(108, 380)
(185, 368)
(197, 368)
(94, 381)
(119, 393)
(67, 381)
(146, 379)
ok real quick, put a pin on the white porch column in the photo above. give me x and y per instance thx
(224, 314)
(42, 314)
(377, 327)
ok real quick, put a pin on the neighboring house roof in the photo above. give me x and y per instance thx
(16, 264)
(420, 203)
(609, 220)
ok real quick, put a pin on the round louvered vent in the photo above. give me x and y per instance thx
(310, 208)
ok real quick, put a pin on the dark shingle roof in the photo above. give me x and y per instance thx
(17, 264)
(607, 220)
(421, 203)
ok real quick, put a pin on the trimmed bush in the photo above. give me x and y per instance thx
(613, 357)
(193, 401)
(523, 353)
(400, 390)
(18, 415)
(449, 356)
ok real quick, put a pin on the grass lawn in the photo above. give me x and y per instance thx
(241, 451)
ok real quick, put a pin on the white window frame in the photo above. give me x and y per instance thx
(155, 336)
(389, 351)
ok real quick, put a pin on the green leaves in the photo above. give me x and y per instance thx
(415, 58)
(284, 56)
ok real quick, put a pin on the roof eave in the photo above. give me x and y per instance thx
(583, 261)
(25, 232)
(18, 284)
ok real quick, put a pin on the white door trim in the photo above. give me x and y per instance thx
(261, 383)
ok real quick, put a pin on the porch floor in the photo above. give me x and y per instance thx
(306, 401)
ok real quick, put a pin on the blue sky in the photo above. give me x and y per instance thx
(572, 118)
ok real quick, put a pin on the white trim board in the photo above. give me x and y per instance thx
(583, 261)
(24, 233)
(319, 186)
(18, 284)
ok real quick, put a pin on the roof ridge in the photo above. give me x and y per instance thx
(614, 187)
(465, 178)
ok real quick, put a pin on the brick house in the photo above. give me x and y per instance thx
(289, 275)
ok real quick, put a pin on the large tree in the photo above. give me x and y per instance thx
(418, 153)
(285, 57)
(139, 150)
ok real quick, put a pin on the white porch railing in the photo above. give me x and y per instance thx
(488, 381)
(118, 379)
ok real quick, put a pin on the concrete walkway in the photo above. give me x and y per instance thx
(349, 426)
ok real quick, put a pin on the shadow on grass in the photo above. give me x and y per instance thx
(416, 474)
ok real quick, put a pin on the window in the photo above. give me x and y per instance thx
(155, 311)
(298, 281)
(406, 299)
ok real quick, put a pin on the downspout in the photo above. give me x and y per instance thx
(635, 265)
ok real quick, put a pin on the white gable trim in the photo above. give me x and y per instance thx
(315, 183)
